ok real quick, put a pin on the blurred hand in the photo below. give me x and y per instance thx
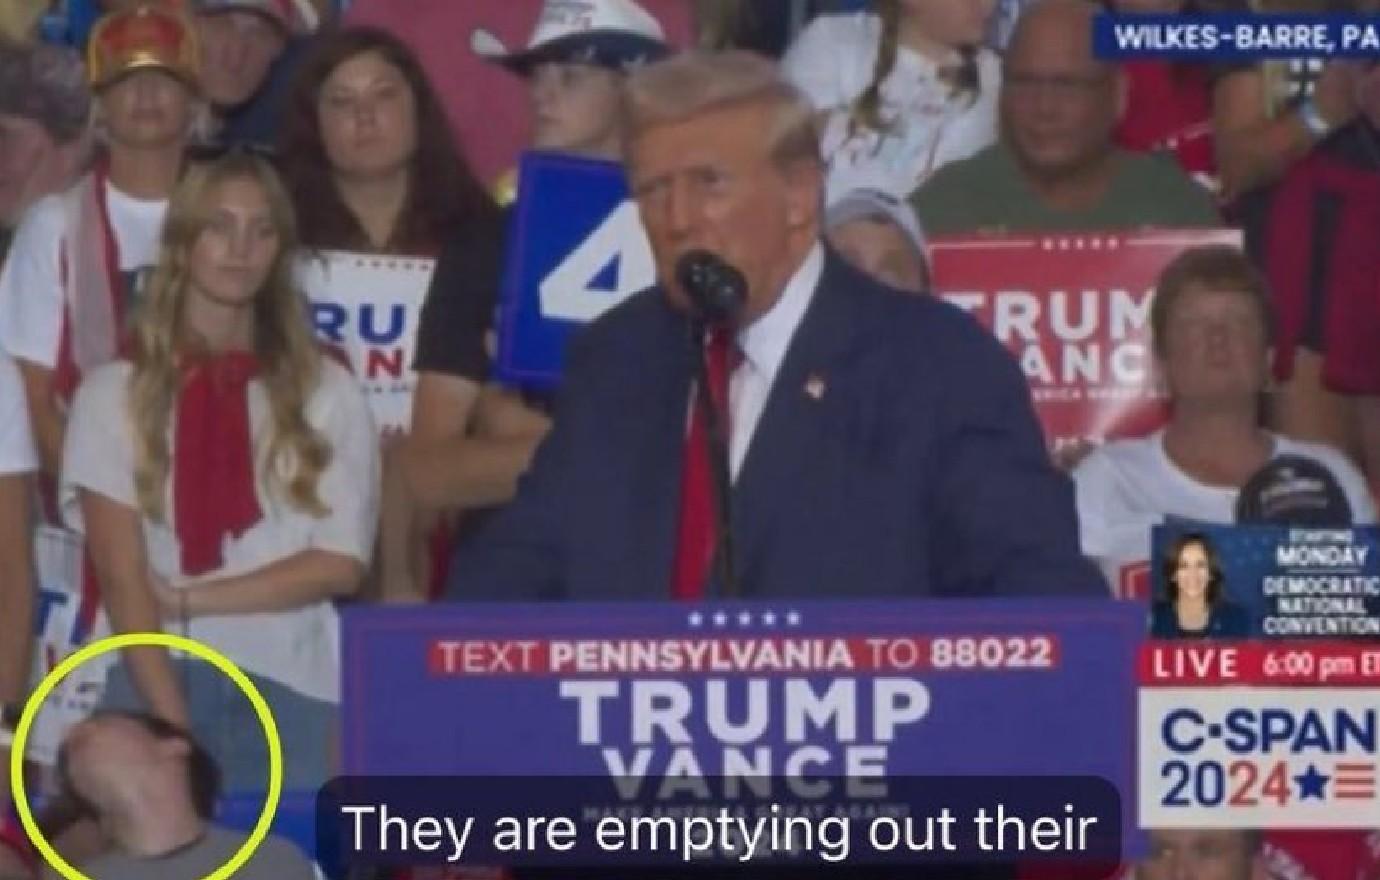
(1067, 456)
(503, 414)
(171, 602)
(1335, 92)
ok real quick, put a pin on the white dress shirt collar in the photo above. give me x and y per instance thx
(764, 344)
(764, 341)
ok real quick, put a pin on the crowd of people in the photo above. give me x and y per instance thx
(162, 393)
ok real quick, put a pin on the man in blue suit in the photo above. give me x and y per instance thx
(880, 444)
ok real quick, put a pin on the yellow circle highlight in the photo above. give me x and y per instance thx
(148, 640)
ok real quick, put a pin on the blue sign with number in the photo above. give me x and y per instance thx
(577, 248)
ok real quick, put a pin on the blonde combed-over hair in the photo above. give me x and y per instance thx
(295, 453)
(698, 82)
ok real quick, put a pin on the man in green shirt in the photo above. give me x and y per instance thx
(1056, 167)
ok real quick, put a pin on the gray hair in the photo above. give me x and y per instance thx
(698, 82)
(48, 85)
(1031, 14)
(878, 207)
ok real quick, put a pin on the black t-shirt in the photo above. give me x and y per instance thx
(460, 304)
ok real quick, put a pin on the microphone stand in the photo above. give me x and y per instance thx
(717, 440)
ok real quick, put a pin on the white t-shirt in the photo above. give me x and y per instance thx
(31, 294)
(298, 648)
(832, 62)
(16, 444)
(1127, 487)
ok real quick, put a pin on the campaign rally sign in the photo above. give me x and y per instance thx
(1289, 582)
(576, 248)
(1259, 735)
(1075, 310)
(64, 624)
(706, 701)
(368, 309)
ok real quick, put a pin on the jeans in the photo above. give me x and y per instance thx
(225, 724)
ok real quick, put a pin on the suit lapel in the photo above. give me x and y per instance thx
(780, 455)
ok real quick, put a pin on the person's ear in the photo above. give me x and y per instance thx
(804, 194)
(1159, 376)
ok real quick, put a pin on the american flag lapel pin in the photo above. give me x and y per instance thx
(815, 386)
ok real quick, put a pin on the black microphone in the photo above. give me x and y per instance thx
(717, 290)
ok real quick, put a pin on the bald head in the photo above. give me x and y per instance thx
(1202, 854)
(1059, 103)
(1067, 20)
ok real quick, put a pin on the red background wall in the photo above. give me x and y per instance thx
(487, 106)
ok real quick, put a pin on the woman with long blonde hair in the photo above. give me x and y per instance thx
(225, 474)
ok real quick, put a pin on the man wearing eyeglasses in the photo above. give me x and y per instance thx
(1056, 167)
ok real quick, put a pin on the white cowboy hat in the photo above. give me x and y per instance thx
(607, 33)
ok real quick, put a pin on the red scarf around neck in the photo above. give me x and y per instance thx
(214, 493)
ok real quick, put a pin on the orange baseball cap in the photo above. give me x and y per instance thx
(140, 37)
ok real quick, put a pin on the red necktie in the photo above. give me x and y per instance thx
(695, 533)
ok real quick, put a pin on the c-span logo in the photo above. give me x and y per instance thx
(1259, 757)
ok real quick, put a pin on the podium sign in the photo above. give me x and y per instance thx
(561, 703)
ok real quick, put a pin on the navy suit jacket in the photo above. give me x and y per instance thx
(916, 469)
